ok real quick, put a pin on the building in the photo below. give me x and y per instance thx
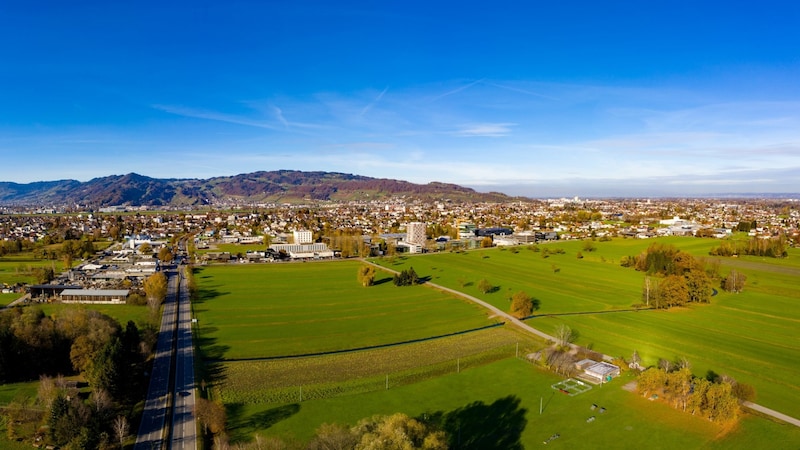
(303, 237)
(597, 372)
(106, 296)
(416, 233)
(304, 251)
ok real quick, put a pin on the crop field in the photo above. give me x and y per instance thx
(275, 381)
(508, 395)
(271, 310)
(753, 336)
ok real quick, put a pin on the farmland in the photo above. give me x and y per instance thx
(250, 314)
(507, 394)
(752, 336)
(258, 311)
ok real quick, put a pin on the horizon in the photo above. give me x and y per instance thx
(596, 101)
(512, 191)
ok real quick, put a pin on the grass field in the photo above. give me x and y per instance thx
(268, 310)
(507, 395)
(121, 313)
(5, 299)
(17, 268)
(753, 336)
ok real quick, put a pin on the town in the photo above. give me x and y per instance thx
(341, 230)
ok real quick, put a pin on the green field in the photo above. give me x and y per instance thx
(506, 396)
(120, 313)
(5, 299)
(753, 336)
(17, 268)
(268, 310)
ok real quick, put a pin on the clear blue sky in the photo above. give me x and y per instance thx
(536, 98)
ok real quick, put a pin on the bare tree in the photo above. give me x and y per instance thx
(121, 429)
(564, 335)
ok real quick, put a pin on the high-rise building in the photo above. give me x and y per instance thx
(303, 237)
(415, 233)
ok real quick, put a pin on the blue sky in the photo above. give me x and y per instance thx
(531, 98)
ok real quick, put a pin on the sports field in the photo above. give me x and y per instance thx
(753, 336)
(268, 310)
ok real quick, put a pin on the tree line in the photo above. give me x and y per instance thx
(774, 247)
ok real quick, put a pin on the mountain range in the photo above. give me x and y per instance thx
(281, 186)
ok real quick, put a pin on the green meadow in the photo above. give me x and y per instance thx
(5, 299)
(121, 313)
(498, 406)
(753, 336)
(269, 310)
(17, 268)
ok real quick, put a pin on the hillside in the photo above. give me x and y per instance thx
(258, 187)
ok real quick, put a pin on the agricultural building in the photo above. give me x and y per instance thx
(106, 296)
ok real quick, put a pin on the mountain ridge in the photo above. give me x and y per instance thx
(279, 186)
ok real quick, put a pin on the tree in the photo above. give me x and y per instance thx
(211, 415)
(121, 429)
(564, 335)
(635, 359)
(698, 285)
(406, 278)
(155, 287)
(673, 292)
(366, 275)
(146, 249)
(399, 432)
(486, 242)
(165, 254)
(521, 305)
(333, 437)
(734, 282)
(484, 286)
(43, 274)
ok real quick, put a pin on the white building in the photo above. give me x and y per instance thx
(415, 233)
(303, 237)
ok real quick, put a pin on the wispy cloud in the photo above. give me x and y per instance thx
(455, 91)
(374, 102)
(212, 115)
(279, 116)
(485, 130)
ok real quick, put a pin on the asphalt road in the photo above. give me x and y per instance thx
(184, 426)
(152, 428)
(171, 394)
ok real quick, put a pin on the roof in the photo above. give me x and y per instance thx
(99, 292)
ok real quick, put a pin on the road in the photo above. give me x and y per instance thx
(168, 419)
(152, 428)
(184, 427)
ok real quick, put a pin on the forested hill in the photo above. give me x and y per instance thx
(252, 188)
